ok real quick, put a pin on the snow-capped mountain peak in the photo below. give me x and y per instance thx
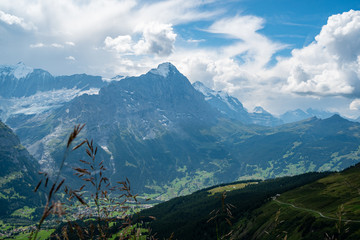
(163, 69)
(20, 70)
(259, 109)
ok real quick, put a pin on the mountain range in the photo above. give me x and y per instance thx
(24, 90)
(170, 136)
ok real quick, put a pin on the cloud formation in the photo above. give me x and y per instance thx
(235, 67)
(14, 20)
(70, 58)
(137, 28)
(37, 45)
(158, 39)
(329, 66)
(355, 105)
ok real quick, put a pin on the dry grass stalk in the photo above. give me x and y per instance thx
(95, 182)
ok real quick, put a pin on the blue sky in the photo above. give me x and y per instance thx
(280, 54)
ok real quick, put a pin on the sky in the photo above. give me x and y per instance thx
(279, 54)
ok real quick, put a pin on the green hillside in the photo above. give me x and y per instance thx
(329, 207)
(188, 217)
(18, 178)
(18, 174)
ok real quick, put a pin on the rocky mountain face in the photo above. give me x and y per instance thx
(167, 136)
(24, 90)
(22, 81)
(232, 108)
(18, 173)
(227, 105)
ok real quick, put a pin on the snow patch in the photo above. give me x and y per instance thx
(162, 70)
(106, 149)
(116, 78)
(19, 70)
(41, 101)
(47, 144)
(210, 94)
(207, 92)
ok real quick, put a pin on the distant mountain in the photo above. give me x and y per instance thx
(166, 136)
(22, 81)
(18, 174)
(24, 90)
(232, 108)
(261, 117)
(298, 115)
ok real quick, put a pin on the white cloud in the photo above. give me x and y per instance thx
(355, 105)
(237, 67)
(89, 23)
(83, 20)
(195, 40)
(176, 11)
(156, 39)
(121, 44)
(71, 58)
(254, 49)
(240, 27)
(70, 43)
(57, 45)
(37, 45)
(14, 20)
(331, 64)
(54, 45)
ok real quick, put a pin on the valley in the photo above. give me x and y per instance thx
(168, 138)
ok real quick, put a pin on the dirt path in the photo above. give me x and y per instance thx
(314, 211)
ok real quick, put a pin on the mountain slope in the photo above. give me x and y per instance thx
(310, 145)
(18, 174)
(232, 108)
(306, 206)
(310, 212)
(188, 217)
